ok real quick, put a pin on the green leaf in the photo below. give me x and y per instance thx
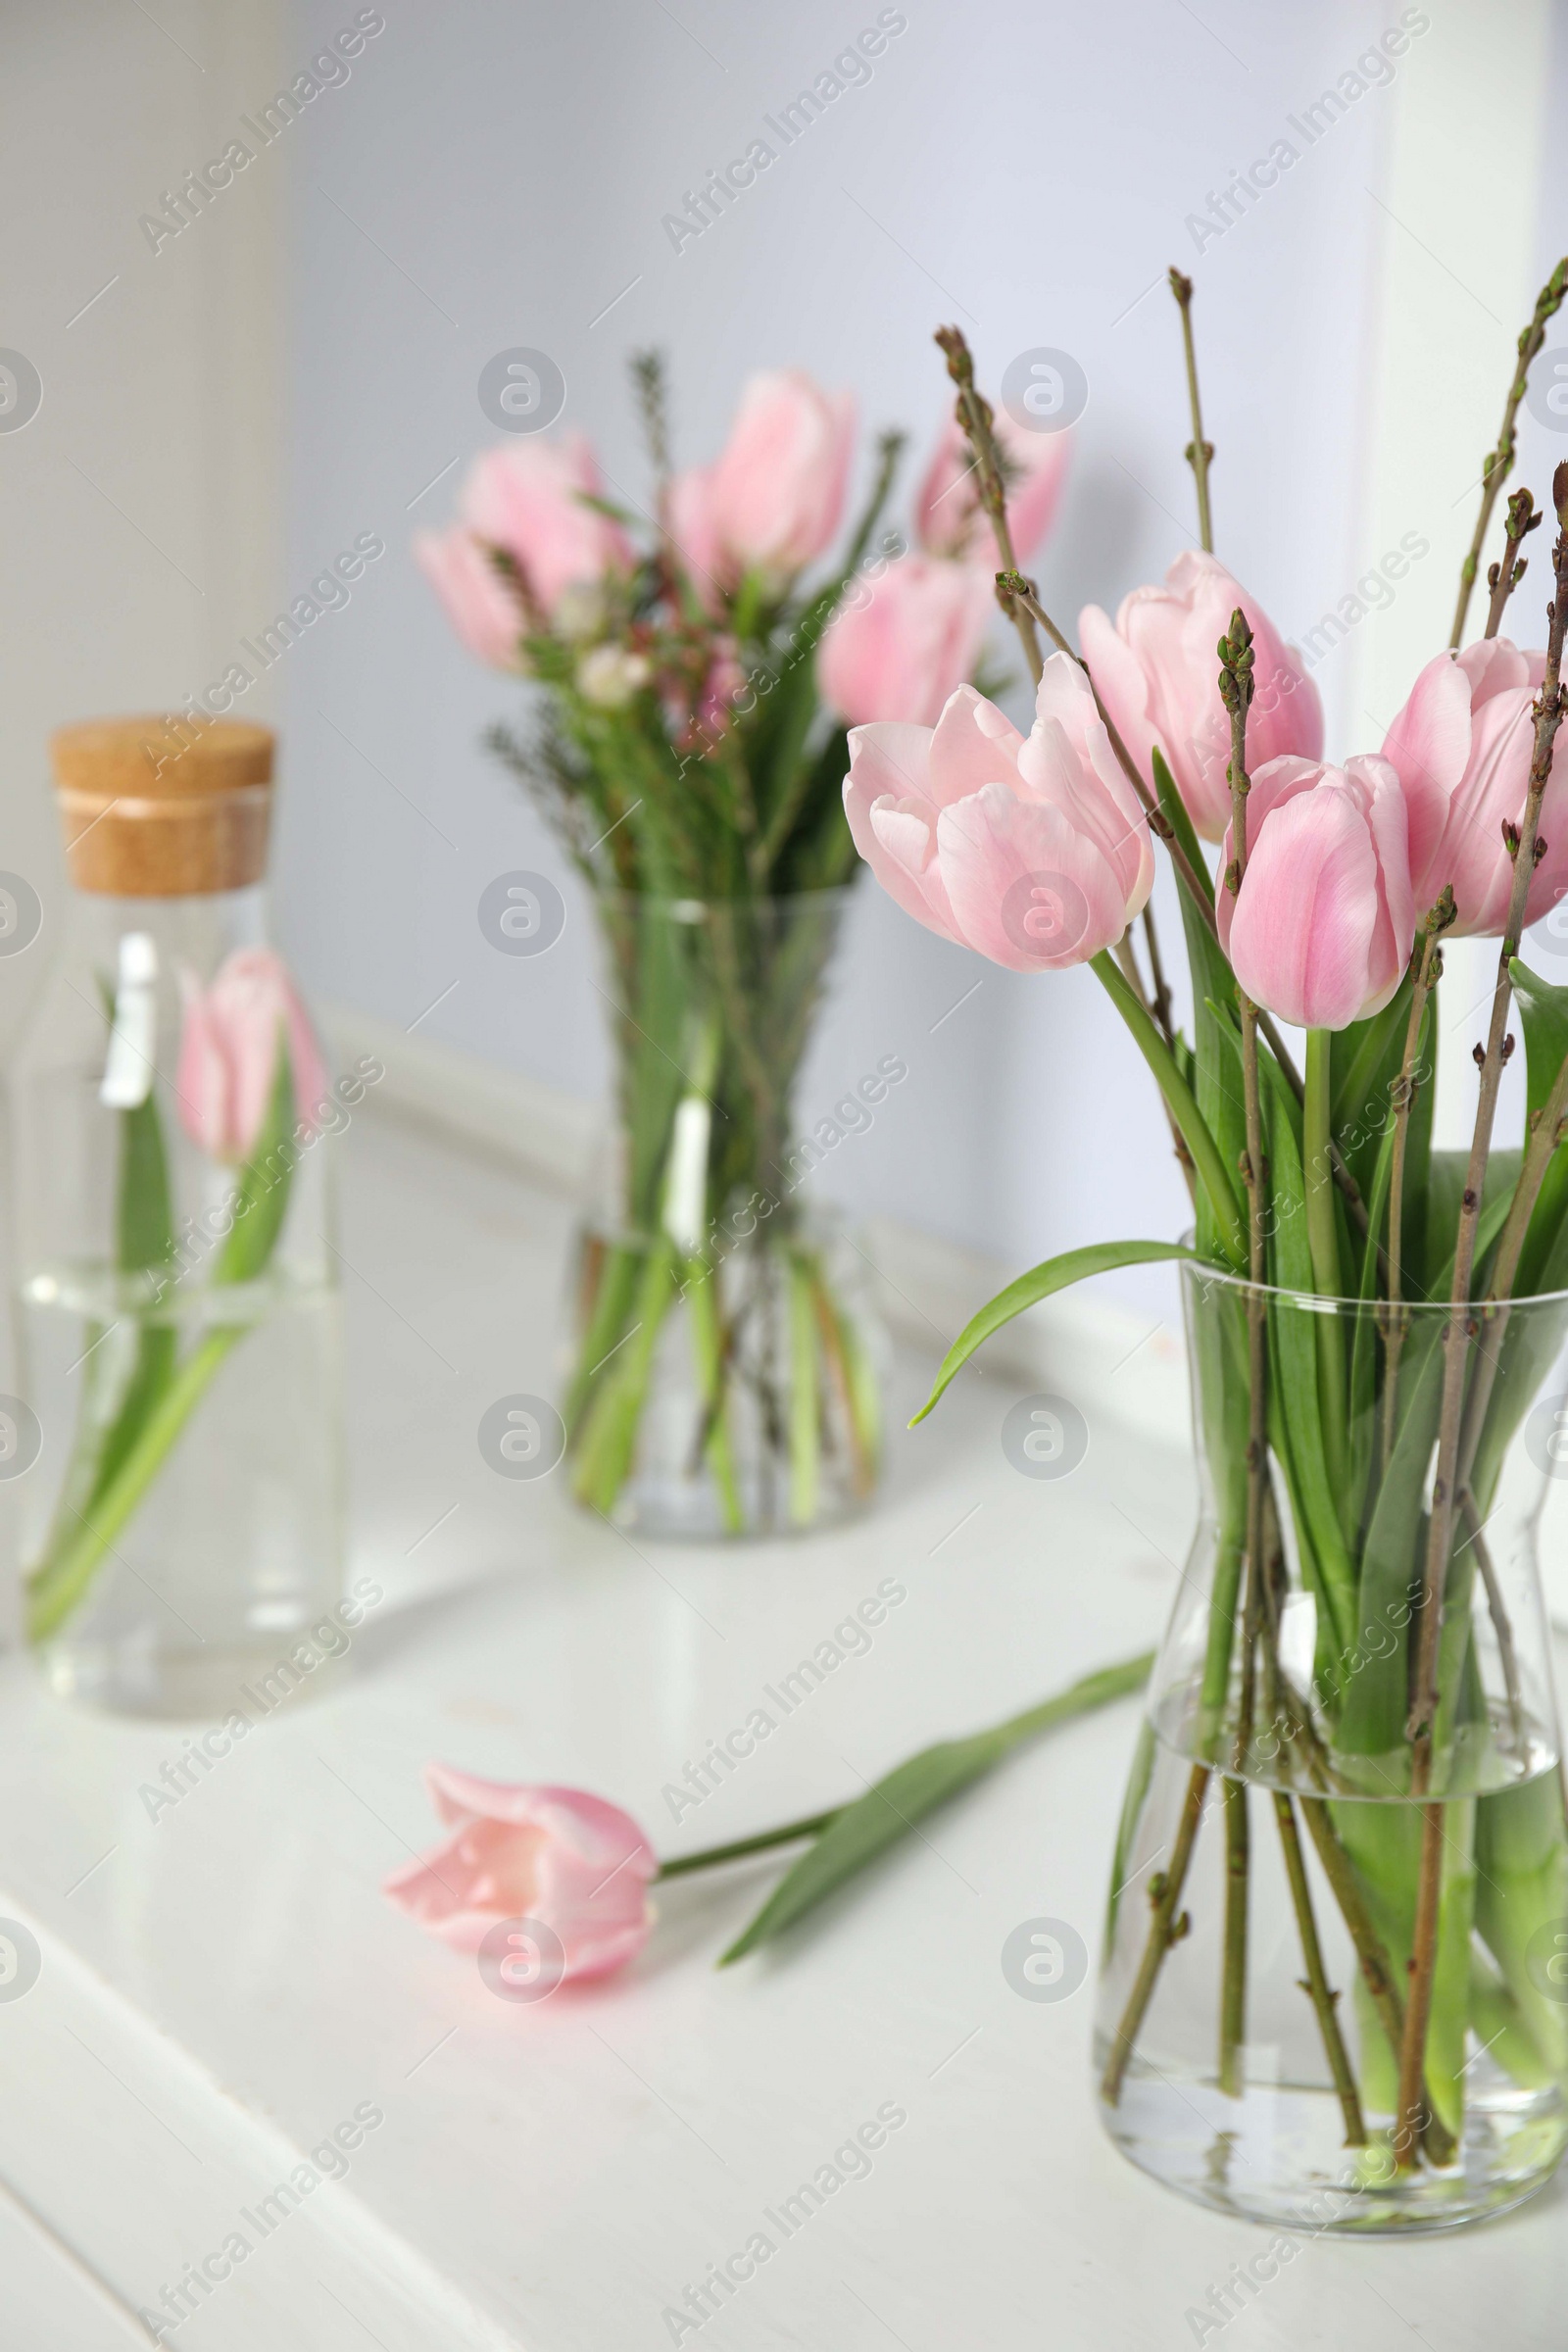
(1544, 1011)
(1181, 825)
(1296, 1414)
(145, 1212)
(261, 1199)
(904, 1796)
(1497, 1197)
(1364, 1060)
(1041, 1282)
(1366, 1339)
(144, 1231)
(1219, 1209)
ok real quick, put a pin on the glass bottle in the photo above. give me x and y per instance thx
(177, 1429)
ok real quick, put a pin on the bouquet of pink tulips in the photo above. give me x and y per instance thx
(1357, 1645)
(688, 743)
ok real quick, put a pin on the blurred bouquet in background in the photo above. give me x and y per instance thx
(699, 667)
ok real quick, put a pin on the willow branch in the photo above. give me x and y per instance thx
(975, 417)
(1505, 577)
(1199, 452)
(1499, 465)
(1236, 693)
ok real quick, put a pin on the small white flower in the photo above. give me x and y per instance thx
(608, 677)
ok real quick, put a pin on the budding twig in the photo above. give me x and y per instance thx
(1198, 452)
(975, 414)
(1524, 517)
(1236, 693)
(1499, 465)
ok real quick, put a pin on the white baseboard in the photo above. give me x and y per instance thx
(1094, 1351)
(1097, 1352)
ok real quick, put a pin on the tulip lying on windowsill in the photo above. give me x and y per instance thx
(555, 1882)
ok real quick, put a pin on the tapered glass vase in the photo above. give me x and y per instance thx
(1345, 1813)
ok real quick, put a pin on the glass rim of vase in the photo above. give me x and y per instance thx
(1318, 1302)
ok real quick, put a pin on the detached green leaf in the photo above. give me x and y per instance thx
(912, 1790)
(1056, 1274)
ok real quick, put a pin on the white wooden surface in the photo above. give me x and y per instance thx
(223, 1986)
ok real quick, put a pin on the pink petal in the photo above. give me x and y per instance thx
(1026, 890)
(1301, 937)
(1429, 746)
(974, 743)
(482, 608)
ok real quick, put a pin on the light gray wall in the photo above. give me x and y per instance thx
(138, 508)
(497, 177)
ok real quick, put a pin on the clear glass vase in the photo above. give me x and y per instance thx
(177, 1440)
(1297, 1868)
(728, 1358)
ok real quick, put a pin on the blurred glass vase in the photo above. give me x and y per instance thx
(177, 1297)
(728, 1367)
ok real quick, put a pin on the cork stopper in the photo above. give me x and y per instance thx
(167, 807)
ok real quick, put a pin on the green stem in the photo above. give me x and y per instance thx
(610, 1431)
(1179, 1096)
(55, 1590)
(711, 1856)
(1089, 1691)
(707, 1350)
(1323, 1241)
(805, 1461)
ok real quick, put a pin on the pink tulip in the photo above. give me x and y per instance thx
(527, 498)
(1321, 932)
(773, 500)
(897, 647)
(229, 1055)
(948, 516)
(1462, 746)
(483, 608)
(1158, 673)
(1031, 849)
(561, 1858)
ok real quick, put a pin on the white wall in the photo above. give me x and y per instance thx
(139, 507)
(490, 176)
(1024, 169)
